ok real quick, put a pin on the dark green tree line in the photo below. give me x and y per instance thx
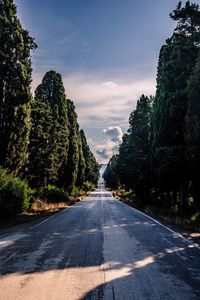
(57, 149)
(40, 140)
(48, 148)
(91, 165)
(15, 96)
(133, 165)
(176, 64)
(159, 157)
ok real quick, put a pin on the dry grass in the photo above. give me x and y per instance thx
(39, 206)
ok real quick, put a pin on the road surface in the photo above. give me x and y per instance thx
(97, 249)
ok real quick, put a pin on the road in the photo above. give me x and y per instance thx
(97, 249)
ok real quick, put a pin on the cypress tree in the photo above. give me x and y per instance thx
(176, 62)
(91, 165)
(134, 162)
(73, 151)
(110, 175)
(123, 168)
(81, 164)
(193, 133)
(15, 96)
(49, 133)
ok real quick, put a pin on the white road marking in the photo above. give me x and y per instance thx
(177, 249)
(157, 222)
(50, 218)
(42, 222)
(9, 257)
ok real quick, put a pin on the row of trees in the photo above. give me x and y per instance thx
(58, 152)
(40, 140)
(159, 158)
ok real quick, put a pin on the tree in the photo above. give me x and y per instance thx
(137, 146)
(110, 174)
(81, 176)
(91, 165)
(73, 151)
(193, 132)
(15, 96)
(132, 166)
(176, 62)
(48, 150)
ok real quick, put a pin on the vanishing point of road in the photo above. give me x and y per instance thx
(98, 248)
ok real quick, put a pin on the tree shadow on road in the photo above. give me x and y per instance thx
(82, 249)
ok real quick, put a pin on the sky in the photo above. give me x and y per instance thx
(107, 53)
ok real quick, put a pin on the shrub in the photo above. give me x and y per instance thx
(53, 194)
(88, 186)
(14, 195)
(74, 192)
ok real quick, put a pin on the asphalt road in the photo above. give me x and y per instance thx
(97, 249)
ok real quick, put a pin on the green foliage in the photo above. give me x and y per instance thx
(73, 151)
(15, 97)
(39, 138)
(173, 106)
(91, 165)
(110, 175)
(88, 186)
(81, 164)
(134, 162)
(48, 148)
(192, 134)
(159, 157)
(14, 195)
(53, 194)
(57, 149)
(75, 192)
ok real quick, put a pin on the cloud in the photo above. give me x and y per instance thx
(114, 133)
(108, 100)
(105, 151)
(113, 139)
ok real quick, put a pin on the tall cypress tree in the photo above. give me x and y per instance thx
(193, 132)
(15, 96)
(176, 62)
(81, 164)
(49, 134)
(134, 154)
(110, 175)
(91, 165)
(73, 152)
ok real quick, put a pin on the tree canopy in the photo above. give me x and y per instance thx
(159, 156)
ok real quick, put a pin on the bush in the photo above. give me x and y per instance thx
(14, 195)
(53, 194)
(75, 192)
(88, 186)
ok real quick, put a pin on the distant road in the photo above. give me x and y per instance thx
(97, 249)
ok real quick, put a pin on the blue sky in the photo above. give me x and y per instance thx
(107, 53)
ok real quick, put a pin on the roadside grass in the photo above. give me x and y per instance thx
(40, 205)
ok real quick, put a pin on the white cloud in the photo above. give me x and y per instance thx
(106, 150)
(99, 102)
(110, 146)
(114, 133)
